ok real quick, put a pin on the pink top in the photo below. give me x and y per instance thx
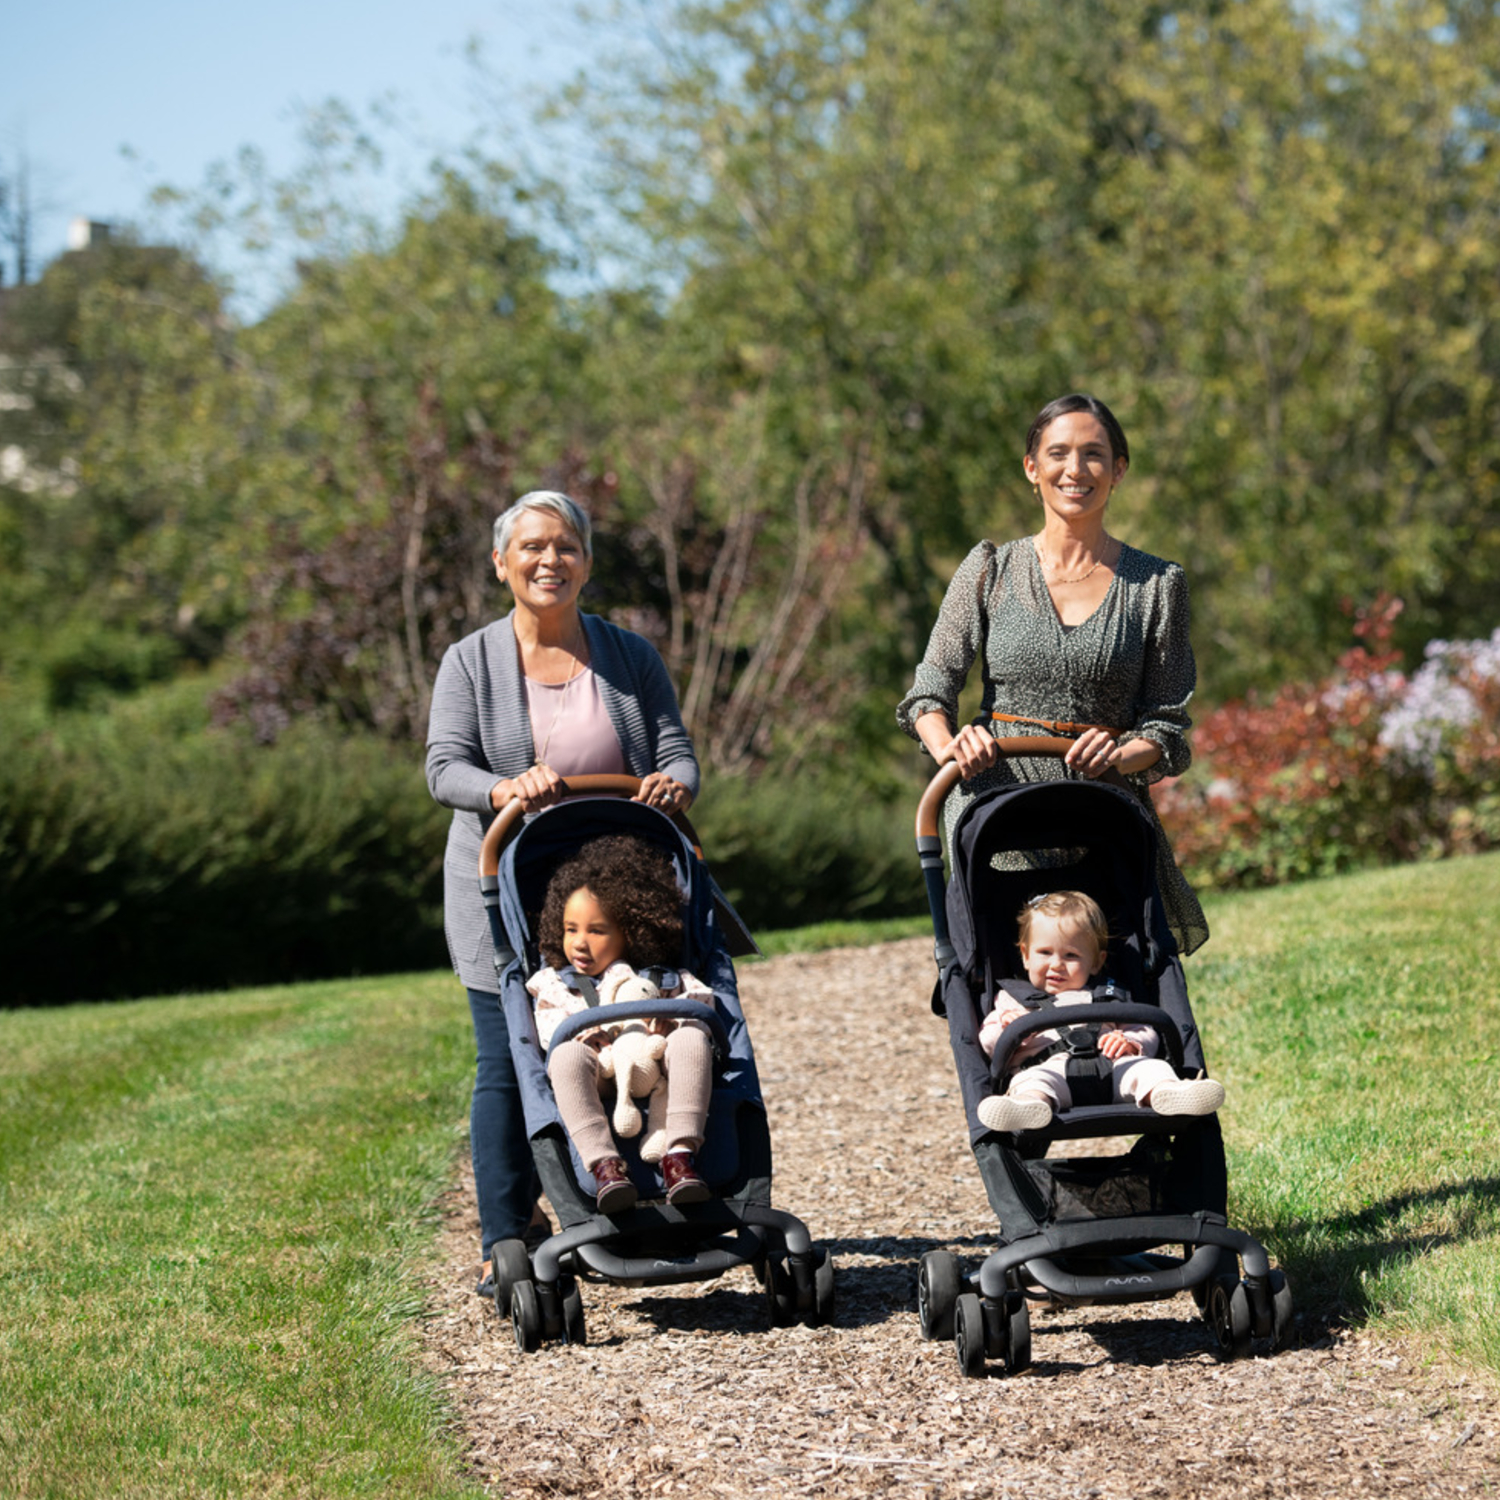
(571, 730)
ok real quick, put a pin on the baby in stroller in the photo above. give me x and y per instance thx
(1077, 861)
(611, 911)
(1063, 938)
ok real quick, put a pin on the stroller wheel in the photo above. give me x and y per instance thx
(1281, 1312)
(1016, 1326)
(781, 1293)
(968, 1335)
(1228, 1314)
(526, 1317)
(822, 1309)
(512, 1264)
(572, 1312)
(938, 1286)
(1227, 1270)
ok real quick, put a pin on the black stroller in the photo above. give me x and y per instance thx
(652, 1244)
(1090, 1229)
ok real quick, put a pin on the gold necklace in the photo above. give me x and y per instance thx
(1042, 557)
(579, 668)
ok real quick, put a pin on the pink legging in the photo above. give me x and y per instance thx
(688, 1065)
(1133, 1077)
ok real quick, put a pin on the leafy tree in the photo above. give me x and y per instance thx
(352, 629)
(133, 421)
(1316, 355)
(417, 388)
(1263, 236)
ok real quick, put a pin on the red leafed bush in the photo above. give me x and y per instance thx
(1367, 767)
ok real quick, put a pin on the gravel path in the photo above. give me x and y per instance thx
(689, 1391)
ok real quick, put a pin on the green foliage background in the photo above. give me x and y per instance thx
(851, 247)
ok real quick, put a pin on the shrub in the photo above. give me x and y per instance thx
(135, 863)
(1367, 767)
(788, 853)
(141, 853)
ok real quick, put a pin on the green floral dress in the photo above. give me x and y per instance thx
(1129, 666)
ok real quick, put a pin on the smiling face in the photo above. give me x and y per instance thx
(544, 562)
(1073, 466)
(591, 941)
(1060, 954)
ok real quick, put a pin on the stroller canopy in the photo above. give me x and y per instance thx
(1021, 841)
(554, 836)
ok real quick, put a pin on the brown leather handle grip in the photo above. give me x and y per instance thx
(930, 808)
(508, 820)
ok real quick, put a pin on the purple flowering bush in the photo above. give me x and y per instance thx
(1368, 766)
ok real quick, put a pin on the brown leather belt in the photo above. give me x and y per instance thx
(1053, 726)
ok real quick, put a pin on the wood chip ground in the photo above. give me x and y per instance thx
(689, 1391)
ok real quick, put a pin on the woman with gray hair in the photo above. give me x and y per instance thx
(544, 693)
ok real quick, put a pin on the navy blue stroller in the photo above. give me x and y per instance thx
(1085, 1230)
(654, 1243)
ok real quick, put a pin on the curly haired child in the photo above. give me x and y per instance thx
(611, 910)
(1063, 938)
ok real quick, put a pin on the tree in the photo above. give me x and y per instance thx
(1316, 347)
(416, 389)
(17, 216)
(1263, 236)
(134, 422)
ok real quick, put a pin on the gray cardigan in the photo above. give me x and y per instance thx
(479, 731)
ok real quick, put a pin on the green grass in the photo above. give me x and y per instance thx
(211, 1215)
(214, 1210)
(1353, 1022)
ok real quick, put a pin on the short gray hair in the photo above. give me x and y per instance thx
(564, 507)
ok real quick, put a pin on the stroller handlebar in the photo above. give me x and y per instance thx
(504, 824)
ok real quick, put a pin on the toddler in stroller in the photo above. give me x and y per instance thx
(1091, 1229)
(1064, 938)
(660, 1239)
(611, 910)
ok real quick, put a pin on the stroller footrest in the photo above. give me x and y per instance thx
(1095, 1121)
(701, 1264)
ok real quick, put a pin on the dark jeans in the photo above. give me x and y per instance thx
(504, 1176)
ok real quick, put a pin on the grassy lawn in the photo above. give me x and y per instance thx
(213, 1208)
(1353, 1022)
(210, 1214)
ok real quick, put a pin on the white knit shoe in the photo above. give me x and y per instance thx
(1007, 1112)
(1196, 1096)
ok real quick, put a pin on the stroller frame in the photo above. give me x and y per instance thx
(1084, 1231)
(654, 1243)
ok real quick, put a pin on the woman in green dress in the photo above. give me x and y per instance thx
(1070, 625)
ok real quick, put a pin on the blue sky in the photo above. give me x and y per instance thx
(184, 83)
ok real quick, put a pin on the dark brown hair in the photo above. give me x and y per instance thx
(635, 884)
(1118, 447)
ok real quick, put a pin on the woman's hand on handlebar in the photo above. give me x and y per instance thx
(972, 750)
(660, 791)
(535, 789)
(1093, 753)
